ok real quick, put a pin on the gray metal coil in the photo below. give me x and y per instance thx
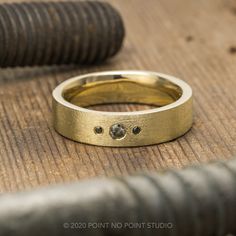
(197, 201)
(46, 33)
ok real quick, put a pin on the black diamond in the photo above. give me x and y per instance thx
(136, 130)
(98, 130)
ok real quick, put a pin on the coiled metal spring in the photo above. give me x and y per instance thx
(46, 33)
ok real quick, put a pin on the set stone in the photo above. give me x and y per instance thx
(117, 131)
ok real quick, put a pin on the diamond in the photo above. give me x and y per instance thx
(117, 131)
(98, 130)
(136, 130)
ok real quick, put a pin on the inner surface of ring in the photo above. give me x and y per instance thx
(110, 89)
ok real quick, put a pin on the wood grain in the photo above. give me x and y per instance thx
(193, 40)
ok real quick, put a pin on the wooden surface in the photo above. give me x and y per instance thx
(193, 40)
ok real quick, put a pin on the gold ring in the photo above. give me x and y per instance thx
(171, 117)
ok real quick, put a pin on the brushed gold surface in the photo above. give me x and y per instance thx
(170, 120)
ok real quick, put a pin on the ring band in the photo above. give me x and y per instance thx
(171, 117)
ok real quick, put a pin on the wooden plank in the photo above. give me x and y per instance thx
(193, 40)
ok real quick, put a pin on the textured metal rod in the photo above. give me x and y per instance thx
(46, 33)
(197, 201)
